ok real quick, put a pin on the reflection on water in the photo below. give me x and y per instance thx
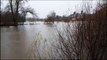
(24, 41)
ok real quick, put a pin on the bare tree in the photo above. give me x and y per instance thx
(24, 12)
(15, 6)
(51, 17)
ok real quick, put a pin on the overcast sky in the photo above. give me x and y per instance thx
(43, 8)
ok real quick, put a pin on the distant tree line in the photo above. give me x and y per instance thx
(15, 13)
(72, 17)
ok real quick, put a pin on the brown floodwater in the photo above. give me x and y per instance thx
(30, 41)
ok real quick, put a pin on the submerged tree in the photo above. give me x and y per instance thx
(24, 12)
(17, 11)
(15, 5)
(51, 17)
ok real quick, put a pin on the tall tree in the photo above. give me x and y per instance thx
(15, 5)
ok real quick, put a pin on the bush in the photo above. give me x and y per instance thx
(88, 40)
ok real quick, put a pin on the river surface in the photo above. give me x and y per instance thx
(30, 41)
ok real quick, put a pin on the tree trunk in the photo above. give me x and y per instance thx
(13, 16)
(17, 10)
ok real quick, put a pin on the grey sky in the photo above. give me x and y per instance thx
(43, 8)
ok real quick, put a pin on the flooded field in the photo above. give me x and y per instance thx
(30, 41)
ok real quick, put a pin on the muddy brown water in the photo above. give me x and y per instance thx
(25, 41)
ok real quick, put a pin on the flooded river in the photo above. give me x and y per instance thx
(30, 41)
